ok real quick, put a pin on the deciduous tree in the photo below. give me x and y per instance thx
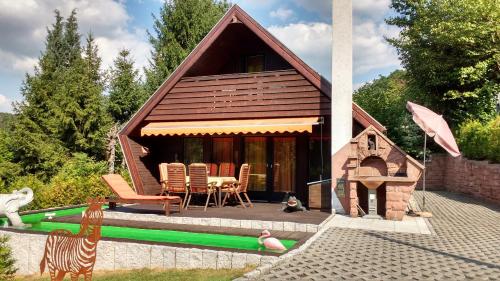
(450, 49)
(385, 99)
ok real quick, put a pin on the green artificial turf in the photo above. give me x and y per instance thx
(152, 235)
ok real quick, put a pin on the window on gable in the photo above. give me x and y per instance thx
(255, 63)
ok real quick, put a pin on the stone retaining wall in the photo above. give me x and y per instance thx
(219, 222)
(28, 250)
(479, 179)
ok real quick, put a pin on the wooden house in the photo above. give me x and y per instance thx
(240, 96)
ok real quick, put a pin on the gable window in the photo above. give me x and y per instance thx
(255, 63)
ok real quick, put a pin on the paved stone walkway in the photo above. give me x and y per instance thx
(466, 246)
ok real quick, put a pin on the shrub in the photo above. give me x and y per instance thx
(7, 262)
(480, 141)
(35, 184)
(495, 140)
(78, 180)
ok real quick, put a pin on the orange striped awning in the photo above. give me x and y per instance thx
(253, 126)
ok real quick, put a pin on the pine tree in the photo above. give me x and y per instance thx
(125, 92)
(126, 95)
(35, 148)
(63, 109)
(181, 25)
(7, 262)
(81, 117)
(71, 40)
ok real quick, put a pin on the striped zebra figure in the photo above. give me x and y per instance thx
(74, 253)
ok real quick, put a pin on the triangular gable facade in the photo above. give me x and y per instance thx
(237, 15)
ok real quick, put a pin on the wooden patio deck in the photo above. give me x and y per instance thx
(260, 211)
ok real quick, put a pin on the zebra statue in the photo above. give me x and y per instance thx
(74, 253)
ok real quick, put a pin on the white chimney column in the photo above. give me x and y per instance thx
(341, 123)
(341, 74)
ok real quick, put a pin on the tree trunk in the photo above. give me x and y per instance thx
(111, 149)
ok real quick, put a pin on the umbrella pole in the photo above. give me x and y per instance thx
(423, 185)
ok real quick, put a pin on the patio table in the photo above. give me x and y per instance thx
(219, 183)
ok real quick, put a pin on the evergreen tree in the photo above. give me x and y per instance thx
(181, 25)
(34, 147)
(7, 262)
(71, 44)
(125, 91)
(81, 116)
(63, 109)
(126, 95)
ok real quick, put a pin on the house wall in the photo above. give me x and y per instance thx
(479, 179)
(276, 94)
(146, 167)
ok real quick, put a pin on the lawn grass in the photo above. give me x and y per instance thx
(156, 275)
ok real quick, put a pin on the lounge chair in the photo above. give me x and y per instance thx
(163, 178)
(198, 183)
(176, 183)
(226, 170)
(241, 186)
(125, 194)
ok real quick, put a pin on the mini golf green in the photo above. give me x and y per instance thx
(152, 235)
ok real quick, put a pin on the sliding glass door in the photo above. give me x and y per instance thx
(193, 150)
(273, 166)
(284, 164)
(256, 155)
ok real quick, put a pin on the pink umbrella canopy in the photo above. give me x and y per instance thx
(434, 126)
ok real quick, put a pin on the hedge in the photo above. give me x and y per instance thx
(480, 141)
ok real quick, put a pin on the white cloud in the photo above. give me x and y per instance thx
(23, 28)
(370, 9)
(356, 86)
(5, 104)
(281, 13)
(370, 50)
(310, 41)
(12, 62)
(109, 48)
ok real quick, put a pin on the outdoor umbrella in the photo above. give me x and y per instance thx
(436, 127)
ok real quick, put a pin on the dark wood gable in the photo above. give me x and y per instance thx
(284, 93)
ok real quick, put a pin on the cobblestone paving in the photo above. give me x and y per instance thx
(466, 246)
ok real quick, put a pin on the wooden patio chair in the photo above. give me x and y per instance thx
(125, 194)
(176, 183)
(212, 169)
(198, 183)
(240, 187)
(226, 170)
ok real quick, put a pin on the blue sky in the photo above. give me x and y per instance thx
(303, 25)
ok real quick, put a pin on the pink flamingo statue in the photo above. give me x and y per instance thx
(269, 242)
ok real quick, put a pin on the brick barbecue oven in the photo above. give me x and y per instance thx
(378, 176)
